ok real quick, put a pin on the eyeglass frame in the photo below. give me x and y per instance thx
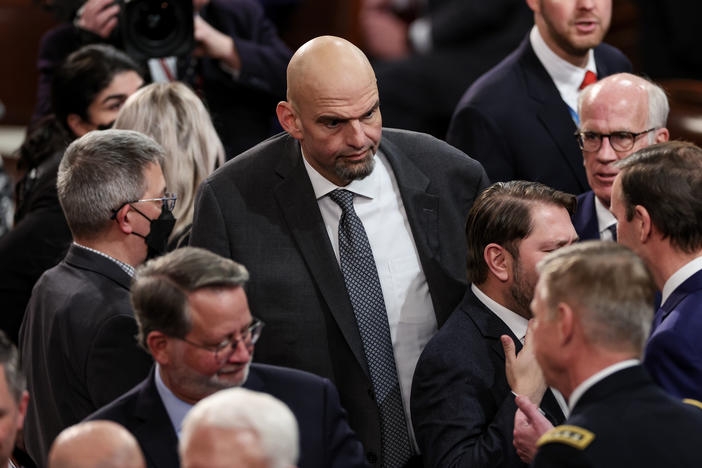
(168, 200)
(634, 136)
(256, 326)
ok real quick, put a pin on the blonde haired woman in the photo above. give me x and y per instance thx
(173, 115)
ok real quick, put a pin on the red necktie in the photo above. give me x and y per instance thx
(588, 80)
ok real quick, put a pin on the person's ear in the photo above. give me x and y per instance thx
(78, 126)
(158, 344)
(22, 409)
(643, 219)
(123, 217)
(288, 119)
(662, 135)
(498, 261)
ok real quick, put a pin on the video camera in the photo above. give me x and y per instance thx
(156, 28)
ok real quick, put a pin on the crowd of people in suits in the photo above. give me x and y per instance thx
(524, 290)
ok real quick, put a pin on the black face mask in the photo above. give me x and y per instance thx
(157, 238)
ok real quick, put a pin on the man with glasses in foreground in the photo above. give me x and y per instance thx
(619, 114)
(194, 319)
(77, 339)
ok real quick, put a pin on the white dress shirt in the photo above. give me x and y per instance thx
(566, 76)
(679, 277)
(518, 326)
(407, 301)
(605, 219)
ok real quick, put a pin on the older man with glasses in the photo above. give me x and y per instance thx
(194, 319)
(628, 112)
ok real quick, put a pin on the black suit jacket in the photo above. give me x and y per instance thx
(326, 440)
(515, 123)
(260, 209)
(462, 406)
(78, 345)
(585, 217)
(634, 423)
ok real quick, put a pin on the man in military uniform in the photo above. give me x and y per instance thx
(592, 314)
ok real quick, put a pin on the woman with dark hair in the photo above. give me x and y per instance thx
(88, 90)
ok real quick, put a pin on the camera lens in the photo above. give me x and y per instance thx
(157, 28)
(156, 21)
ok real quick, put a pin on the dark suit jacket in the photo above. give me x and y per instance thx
(634, 422)
(462, 407)
(326, 440)
(673, 354)
(260, 209)
(515, 123)
(242, 109)
(585, 217)
(77, 344)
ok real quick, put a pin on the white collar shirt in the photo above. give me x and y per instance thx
(679, 277)
(586, 384)
(605, 219)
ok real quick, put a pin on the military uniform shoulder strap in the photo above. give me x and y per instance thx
(692, 402)
(570, 435)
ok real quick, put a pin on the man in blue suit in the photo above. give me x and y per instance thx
(194, 319)
(630, 113)
(656, 200)
(519, 118)
(463, 390)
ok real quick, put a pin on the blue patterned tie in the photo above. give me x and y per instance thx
(366, 295)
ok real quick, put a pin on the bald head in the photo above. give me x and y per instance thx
(96, 444)
(325, 64)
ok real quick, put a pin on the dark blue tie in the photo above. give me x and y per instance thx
(613, 230)
(366, 295)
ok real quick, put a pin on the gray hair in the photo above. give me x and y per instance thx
(239, 408)
(9, 359)
(101, 171)
(175, 117)
(658, 106)
(608, 286)
(160, 288)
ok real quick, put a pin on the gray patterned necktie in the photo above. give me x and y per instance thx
(366, 295)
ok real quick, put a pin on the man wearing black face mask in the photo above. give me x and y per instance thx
(77, 339)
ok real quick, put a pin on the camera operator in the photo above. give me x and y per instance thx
(237, 65)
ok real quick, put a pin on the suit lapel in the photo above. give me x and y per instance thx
(693, 283)
(296, 199)
(552, 111)
(585, 218)
(154, 429)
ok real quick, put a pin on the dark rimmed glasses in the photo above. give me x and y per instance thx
(619, 141)
(224, 350)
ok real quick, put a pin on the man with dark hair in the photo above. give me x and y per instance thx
(518, 119)
(353, 236)
(592, 315)
(464, 385)
(656, 200)
(619, 115)
(195, 321)
(77, 337)
(13, 399)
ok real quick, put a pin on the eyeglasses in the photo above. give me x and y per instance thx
(619, 141)
(168, 201)
(226, 348)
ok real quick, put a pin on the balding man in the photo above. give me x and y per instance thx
(239, 428)
(96, 444)
(354, 244)
(618, 116)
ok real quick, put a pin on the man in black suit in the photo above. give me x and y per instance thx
(77, 338)
(631, 113)
(194, 319)
(463, 389)
(592, 316)
(272, 208)
(519, 118)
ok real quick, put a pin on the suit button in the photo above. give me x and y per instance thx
(372, 457)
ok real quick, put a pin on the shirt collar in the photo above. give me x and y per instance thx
(679, 277)
(515, 322)
(586, 384)
(566, 76)
(175, 407)
(605, 218)
(368, 187)
(128, 269)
